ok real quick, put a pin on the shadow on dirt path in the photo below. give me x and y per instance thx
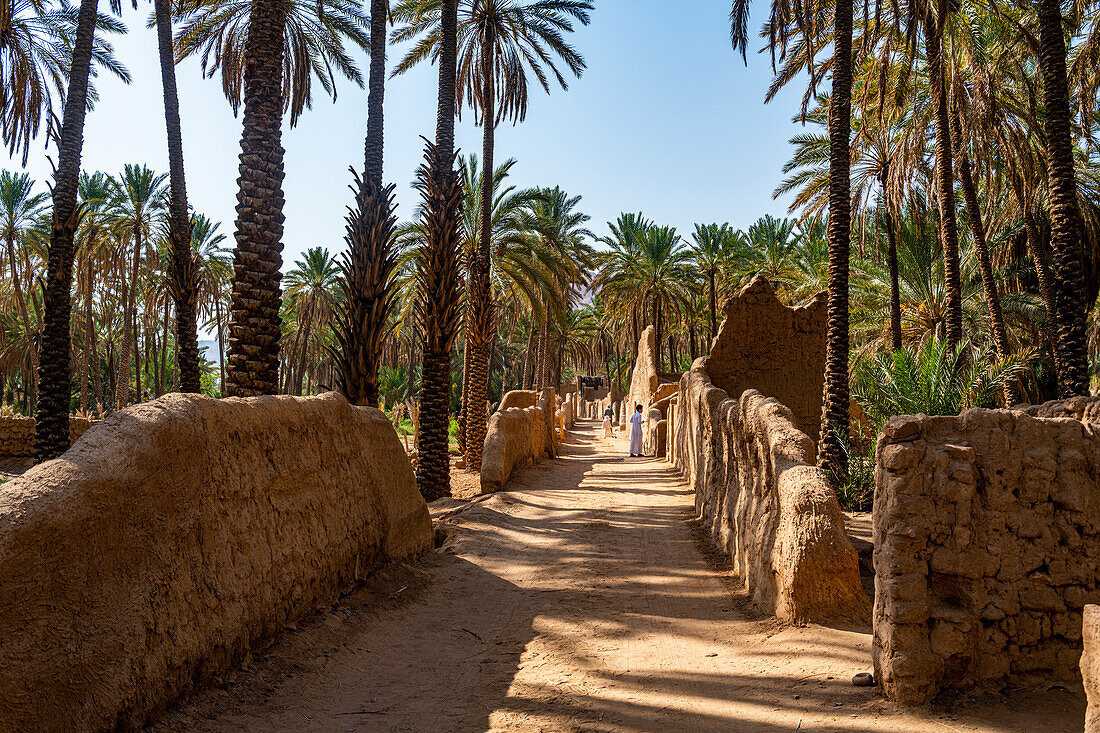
(583, 598)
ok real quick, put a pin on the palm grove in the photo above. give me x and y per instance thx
(945, 195)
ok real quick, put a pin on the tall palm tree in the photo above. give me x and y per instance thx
(183, 280)
(249, 42)
(437, 270)
(20, 207)
(832, 455)
(95, 191)
(55, 369)
(312, 292)
(367, 268)
(713, 247)
(1065, 216)
(500, 40)
(138, 201)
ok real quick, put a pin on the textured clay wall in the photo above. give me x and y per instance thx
(180, 534)
(778, 351)
(1090, 666)
(517, 437)
(765, 503)
(987, 546)
(17, 435)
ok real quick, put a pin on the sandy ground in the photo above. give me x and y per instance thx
(584, 598)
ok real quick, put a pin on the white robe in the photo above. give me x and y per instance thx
(636, 433)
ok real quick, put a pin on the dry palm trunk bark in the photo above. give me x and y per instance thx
(482, 327)
(184, 276)
(437, 274)
(835, 405)
(253, 367)
(1065, 217)
(367, 269)
(945, 184)
(713, 295)
(543, 372)
(528, 357)
(55, 372)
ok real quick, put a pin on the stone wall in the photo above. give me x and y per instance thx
(765, 503)
(987, 545)
(179, 535)
(17, 435)
(518, 437)
(776, 350)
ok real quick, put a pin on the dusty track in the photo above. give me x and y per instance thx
(582, 599)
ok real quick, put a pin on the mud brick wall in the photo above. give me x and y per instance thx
(17, 435)
(987, 544)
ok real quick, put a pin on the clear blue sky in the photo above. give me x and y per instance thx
(667, 120)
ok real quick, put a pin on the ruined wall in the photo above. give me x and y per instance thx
(987, 545)
(644, 380)
(765, 503)
(17, 435)
(180, 534)
(776, 350)
(1090, 666)
(520, 398)
(518, 437)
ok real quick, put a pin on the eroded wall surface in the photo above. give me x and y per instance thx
(776, 350)
(765, 503)
(517, 437)
(180, 534)
(987, 547)
(17, 435)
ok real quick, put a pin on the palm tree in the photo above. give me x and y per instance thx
(95, 191)
(214, 273)
(183, 281)
(137, 202)
(55, 370)
(437, 271)
(248, 42)
(500, 41)
(20, 207)
(1065, 216)
(835, 408)
(367, 267)
(312, 294)
(713, 246)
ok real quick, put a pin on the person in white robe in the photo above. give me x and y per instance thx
(636, 432)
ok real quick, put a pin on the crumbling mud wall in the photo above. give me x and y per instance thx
(17, 435)
(987, 544)
(1090, 666)
(517, 437)
(180, 534)
(765, 503)
(772, 348)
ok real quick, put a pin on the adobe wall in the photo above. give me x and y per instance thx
(179, 535)
(765, 503)
(1090, 666)
(987, 545)
(17, 435)
(517, 437)
(776, 350)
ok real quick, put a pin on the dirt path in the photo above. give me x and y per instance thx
(582, 599)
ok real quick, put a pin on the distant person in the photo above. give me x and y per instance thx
(608, 426)
(636, 432)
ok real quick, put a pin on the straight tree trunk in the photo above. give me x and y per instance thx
(528, 357)
(221, 343)
(713, 296)
(183, 281)
(254, 305)
(895, 289)
(55, 372)
(480, 335)
(438, 274)
(129, 331)
(21, 303)
(835, 413)
(1065, 217)
(945, 184)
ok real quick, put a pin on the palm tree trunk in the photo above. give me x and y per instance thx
(835, 408)
(21, 303)
(183, 278)
(221, 340)
(1065, 217)
(713, 307)
(129, 332)
(945, 184)
(480, 335)
(438, 274)
(985, 264)
(256, 299)
(544, 349)
(302, 359)
(166, 373)
(895, 290)
(528, 357)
